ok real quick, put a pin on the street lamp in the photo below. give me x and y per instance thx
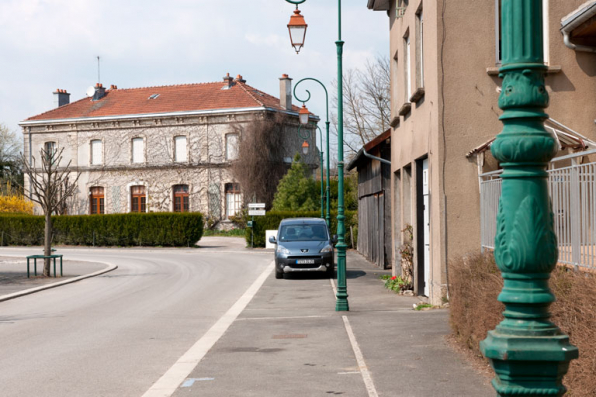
(305, 148)
(297, 28)
(327, 123)
(529, 354)
(341, 304)
(303, 114)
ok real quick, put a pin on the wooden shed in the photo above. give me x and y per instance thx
(374, 200)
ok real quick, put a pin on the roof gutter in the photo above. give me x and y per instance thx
(574, 21)
(150, 115)
(370, 156)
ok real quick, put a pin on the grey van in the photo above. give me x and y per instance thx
(303, 245)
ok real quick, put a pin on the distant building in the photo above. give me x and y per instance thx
(165, 148)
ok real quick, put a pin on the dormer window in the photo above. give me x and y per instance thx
(154, 96)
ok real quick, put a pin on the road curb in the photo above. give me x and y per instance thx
(58, 284)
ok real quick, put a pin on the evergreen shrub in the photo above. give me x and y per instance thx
(272, 220)
(151, 229)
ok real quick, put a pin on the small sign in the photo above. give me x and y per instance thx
(256, 205)
(249, 224)
(256, 212)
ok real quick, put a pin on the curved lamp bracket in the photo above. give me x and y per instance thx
(308, 92)
(296, 1)
(307, 133)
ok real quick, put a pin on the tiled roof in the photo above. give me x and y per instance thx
(173, 98)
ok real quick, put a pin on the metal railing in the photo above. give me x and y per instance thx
(573, 193)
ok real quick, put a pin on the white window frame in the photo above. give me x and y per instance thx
(93, 159)
(180, 154)
(545, 32)
(140, 156)
(233, 202)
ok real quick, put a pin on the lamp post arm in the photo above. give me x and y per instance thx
(296, 1)
(308, 93)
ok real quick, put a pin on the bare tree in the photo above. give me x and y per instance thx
(259, 165)
(50, 188)
(367, 103)
(10, 164)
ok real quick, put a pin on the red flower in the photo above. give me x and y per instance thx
(393, 278)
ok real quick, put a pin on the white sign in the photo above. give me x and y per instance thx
(256, 212)
(256, 205)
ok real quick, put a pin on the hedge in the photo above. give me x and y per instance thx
(151, 229)
(272, 220)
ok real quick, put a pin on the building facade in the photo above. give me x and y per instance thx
(166, 148)
(444, 97)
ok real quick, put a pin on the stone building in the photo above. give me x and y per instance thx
(445, 86)
(165, 148)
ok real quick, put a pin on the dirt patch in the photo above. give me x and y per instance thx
(475, 285)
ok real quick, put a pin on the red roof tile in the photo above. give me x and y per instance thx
(173, 98)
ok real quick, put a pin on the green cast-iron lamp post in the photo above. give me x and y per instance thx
(297, 28)
(530, 355)
(304, 121)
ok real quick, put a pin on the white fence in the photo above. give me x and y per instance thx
(573, 194)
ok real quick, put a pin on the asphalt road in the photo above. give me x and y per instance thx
(118, 333)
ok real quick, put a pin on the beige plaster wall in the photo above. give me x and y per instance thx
(461, 100)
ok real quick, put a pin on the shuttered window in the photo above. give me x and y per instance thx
(138, 150)
(96, 152)
(180, 149)
(231, 146)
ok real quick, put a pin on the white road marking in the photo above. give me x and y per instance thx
(368, 382)
(169, 382)
(333, 287)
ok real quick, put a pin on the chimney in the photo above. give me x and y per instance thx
(285, 92)
(113, 87)
(240, 79)
(61, 97)
(229, 82)
(100, 92)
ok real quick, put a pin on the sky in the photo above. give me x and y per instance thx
(53, 44)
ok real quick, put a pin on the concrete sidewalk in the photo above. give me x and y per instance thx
(290, 341)
(14, 281)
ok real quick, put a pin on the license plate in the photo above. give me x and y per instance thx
(305, 261)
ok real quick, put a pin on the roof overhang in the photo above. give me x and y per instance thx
(566, 139)
(368, 147)
(379, 5)
(579, 28)
(153, 115)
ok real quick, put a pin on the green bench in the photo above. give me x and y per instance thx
(36, 257)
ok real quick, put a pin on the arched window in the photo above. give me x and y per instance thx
(233, 199)
(181, 203)
(138, 199)
(96, 200)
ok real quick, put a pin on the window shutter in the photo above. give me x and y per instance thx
(231, 146)
(137, 150)
(180, 148)
(96, 147)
